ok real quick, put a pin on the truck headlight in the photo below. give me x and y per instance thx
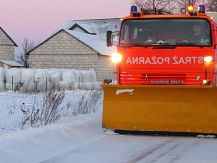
(208, 59)
(116, 58)
(206, 82)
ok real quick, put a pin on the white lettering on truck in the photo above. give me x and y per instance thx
(164, 60)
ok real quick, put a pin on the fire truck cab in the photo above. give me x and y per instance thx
(167, 49)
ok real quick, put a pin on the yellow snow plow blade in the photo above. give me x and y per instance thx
(184, 109)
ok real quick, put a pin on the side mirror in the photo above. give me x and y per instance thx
(109, 38)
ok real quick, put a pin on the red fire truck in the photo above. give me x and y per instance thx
(166, 73)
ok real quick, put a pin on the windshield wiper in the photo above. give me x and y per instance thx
(135, 45)
(163, 46)
(192, 44)
(154, 45)
(187, 43)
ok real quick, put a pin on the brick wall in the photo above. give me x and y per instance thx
(6, 47)
(6, 52)
(85, 61)
(105, 68)
(64, 51)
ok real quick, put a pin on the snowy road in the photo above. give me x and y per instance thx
(83, 140)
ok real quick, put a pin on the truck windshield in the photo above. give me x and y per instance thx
(176, 32)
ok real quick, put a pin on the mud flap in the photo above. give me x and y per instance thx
(160, 108)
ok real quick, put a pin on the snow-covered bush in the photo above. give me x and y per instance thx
(70, 77)
(1, 74)
(27, 75)
(41, 75)
(42, 86)
(54, 78)
(2, 85)
(12, 87)
(42, 80)
(63, 85)
(31, 80)
(28, 80)
(85, 76)
(29, 86)
(88, 76)
(88, 86)
(78, 76)
(13, 75)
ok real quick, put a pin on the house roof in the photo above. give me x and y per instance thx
(8, 37)
(93, 25)
(90, 29)
(11, 63)
(96, 43)
(98, 27)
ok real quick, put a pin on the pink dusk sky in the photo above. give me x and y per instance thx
(36, 19)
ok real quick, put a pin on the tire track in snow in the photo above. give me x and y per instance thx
(146, 153)
(169, 152)
(187, 147)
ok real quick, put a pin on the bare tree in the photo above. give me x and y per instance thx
(45, 113)
(154, 5)
(168, 6)
(212, 5)
(27, 45)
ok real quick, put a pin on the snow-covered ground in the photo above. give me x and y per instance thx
(81, 139)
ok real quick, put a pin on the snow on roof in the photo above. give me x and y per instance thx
(90, 28)
(97, 26)
(11, 63)
(98, 44)
(93, 25)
